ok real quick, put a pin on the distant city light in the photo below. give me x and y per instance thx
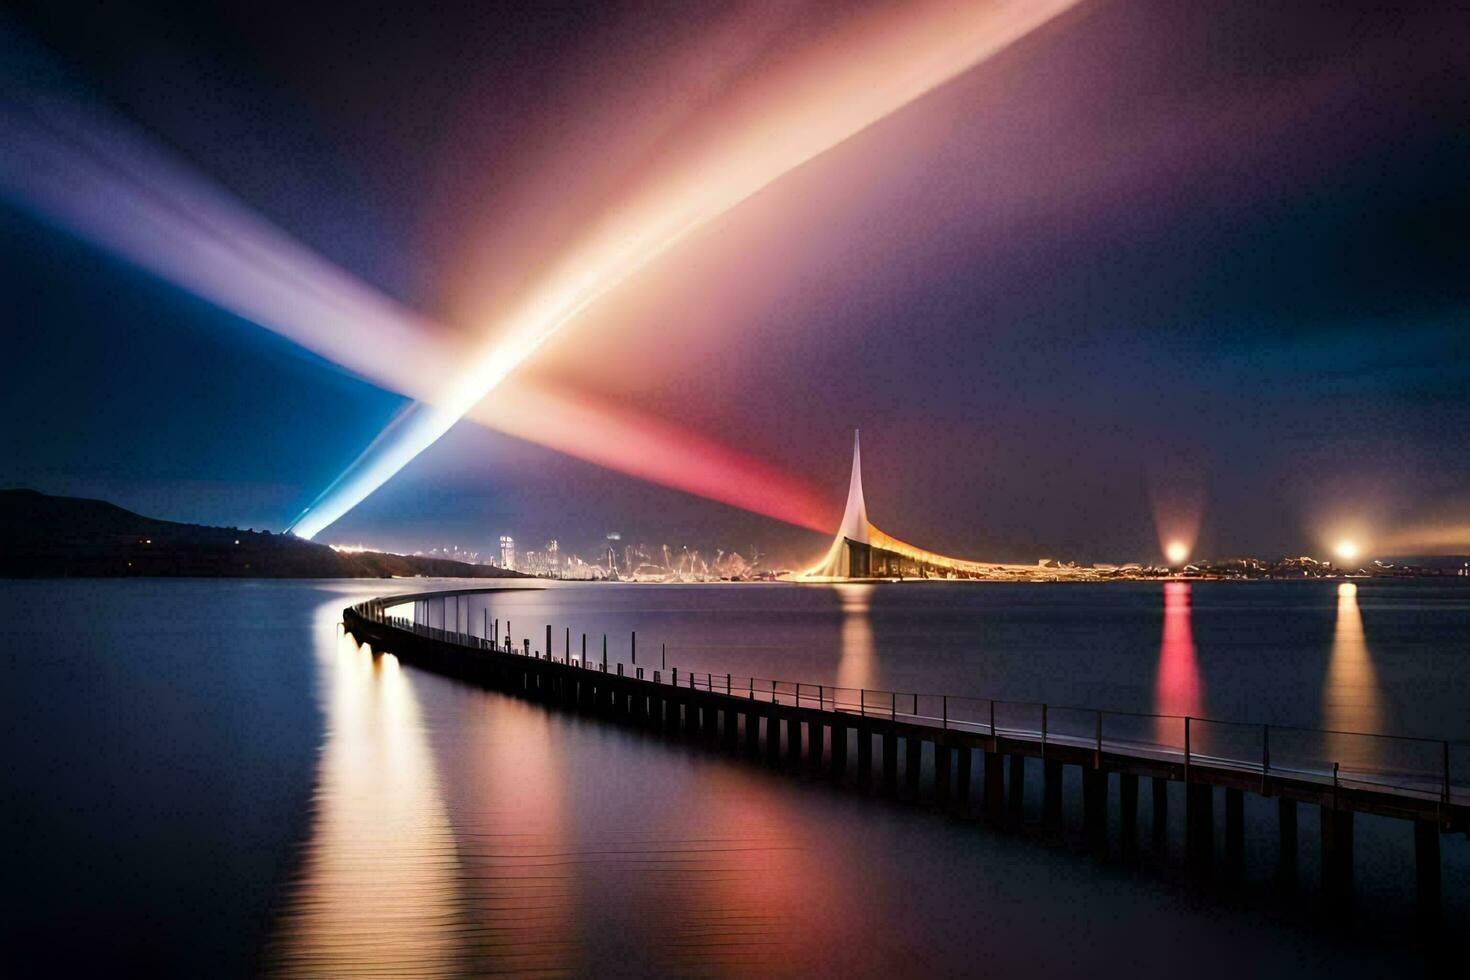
(1346, 550)
(1177, 552)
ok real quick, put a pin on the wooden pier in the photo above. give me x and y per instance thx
(813, 728)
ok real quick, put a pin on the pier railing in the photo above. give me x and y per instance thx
(1397, 764)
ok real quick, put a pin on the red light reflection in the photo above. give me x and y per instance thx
(1177, 689)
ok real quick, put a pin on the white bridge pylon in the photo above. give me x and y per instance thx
(856, 528)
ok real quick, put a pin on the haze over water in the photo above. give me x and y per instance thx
(257, 791)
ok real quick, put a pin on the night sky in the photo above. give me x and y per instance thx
(1152, 259)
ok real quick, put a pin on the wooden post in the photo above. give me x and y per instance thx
(1234, 832)
(1186, 760)
(1097, 752)
(913, 762)
(865, 757)
(1159, 791)
(1017, 789)
(793, 742)
(1265, 756)
(752, 732)
(1286, 810)
(1426, 866)
(1051, 794)
(942, 763)
(635, 646)
(1128, 813)
(1199, 826)
(773, 736)
(994, 783)
(962, 764)
(693, 714)
(1337, 861)
(1095, 808)
(839, 752)
(816, 745)
(890, 761)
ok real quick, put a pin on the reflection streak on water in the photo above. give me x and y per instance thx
(745, 893)
(521, 872)
(1177, 688)
(377, 890)
(649, 863)
(856, 664)
(1351, 699)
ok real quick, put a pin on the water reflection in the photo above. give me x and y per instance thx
(521, 870)
(377, 889)
(1177, 687)
(752, 894)
(1351, 700)
(856, 663)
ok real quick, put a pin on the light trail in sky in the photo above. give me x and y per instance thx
(791, 118)
(102, 180)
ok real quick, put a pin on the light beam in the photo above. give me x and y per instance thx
(789, 119)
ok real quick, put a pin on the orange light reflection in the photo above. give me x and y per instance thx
(855, 665)
(378, 888)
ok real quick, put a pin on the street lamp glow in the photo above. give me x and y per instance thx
(1346, 550)
(1176, 552)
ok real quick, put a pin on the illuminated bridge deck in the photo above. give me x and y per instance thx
(831, 731)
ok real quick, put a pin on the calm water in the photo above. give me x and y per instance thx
(206, 778)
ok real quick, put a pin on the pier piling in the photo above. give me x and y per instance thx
(1234, 833)
(943, 763)
(963, 762)
(839, 752)
(1051, 794)
(1128, 814)
(1199, 827)
(1159, 793)
(1286, 868)
(994, 787)
(1095, 808)
(1016, 792)
(890, 762)
(1337, 862)
(1426, 868)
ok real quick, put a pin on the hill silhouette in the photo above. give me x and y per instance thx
(43, 536)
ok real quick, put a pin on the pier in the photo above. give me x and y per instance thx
(977, 751)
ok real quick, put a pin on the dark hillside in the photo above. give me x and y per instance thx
(42, 536)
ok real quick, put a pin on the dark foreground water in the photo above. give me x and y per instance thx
(206, 778)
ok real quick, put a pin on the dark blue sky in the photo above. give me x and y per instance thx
(1216, 243)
